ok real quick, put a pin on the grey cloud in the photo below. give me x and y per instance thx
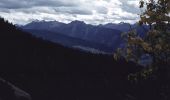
(37, 6)
(73, 10)
(16, 4)
(129, 8)
(4, 10)
(108, 0)
(36, 10)
(127, 18)
(102, 10)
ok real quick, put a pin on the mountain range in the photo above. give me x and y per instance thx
(106, 38)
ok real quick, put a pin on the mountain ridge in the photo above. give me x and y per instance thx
(98, 33)
(79, 29)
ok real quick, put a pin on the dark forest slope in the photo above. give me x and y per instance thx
(50, 71)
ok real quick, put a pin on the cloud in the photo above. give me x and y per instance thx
(73, 10)
(16, 4)
(90, 11)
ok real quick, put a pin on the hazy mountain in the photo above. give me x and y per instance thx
(78, 30)
(70, 41)
(105, 38)
(43, 25)
(125, 27)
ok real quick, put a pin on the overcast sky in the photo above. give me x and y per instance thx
(90, 11)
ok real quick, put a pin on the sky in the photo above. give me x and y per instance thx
(89, 11)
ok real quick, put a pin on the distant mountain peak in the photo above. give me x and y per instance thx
(77, 22)
(123, 23)
(109, 24)
(45, 21)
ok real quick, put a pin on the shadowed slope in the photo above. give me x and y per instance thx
(50, 71)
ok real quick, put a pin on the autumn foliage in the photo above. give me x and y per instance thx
(156, 43)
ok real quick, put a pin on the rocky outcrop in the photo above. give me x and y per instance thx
(10, 92)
